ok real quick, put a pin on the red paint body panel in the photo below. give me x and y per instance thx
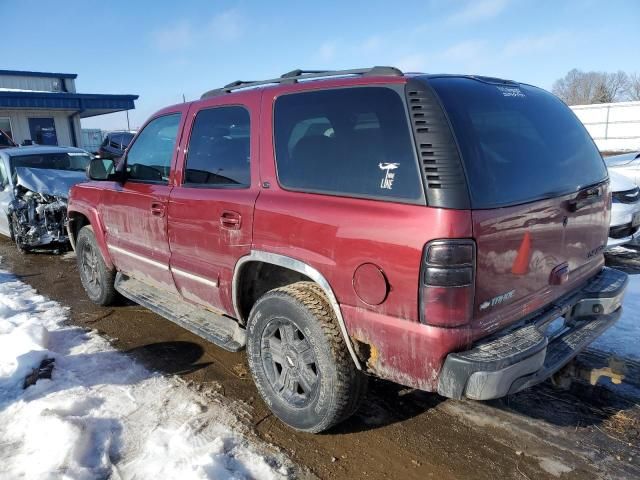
(518, 248)
(200, 241)
(85, 201)
(130, 225)
(408, 353)
(135, 219)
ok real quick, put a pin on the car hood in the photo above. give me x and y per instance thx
(48, 181)
(619, 160)
(620, 183)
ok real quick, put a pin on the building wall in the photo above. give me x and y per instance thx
(20, 124)
(613, 126)
(43, 84)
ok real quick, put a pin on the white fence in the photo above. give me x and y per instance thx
(613, 126)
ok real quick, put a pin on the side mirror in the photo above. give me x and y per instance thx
(102, 169)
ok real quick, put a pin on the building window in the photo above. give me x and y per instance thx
(43, 131)
(5, 126)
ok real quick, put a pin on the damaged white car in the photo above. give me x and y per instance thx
(34, 187)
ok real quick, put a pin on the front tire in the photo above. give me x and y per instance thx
(299, 359)
(97, 280)
(15, 235)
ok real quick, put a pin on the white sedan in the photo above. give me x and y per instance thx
(625, 210)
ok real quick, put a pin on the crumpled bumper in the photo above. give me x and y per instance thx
(525, 355)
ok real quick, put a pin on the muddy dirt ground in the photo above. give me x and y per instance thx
(546, 432)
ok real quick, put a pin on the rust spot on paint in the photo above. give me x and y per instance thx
(374, 356)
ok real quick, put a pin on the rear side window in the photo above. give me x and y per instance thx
(219, 149)
(149, 158)
(518, 143)
(350, 141)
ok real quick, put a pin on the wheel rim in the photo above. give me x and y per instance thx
(89, 267)
(15, 224)
(289, 362)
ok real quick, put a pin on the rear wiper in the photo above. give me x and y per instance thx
(584, 198)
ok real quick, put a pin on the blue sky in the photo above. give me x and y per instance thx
(161, 50)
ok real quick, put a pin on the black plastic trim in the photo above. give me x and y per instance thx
(511, 360)
(442, 170)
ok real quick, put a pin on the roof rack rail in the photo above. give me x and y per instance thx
(296, 75)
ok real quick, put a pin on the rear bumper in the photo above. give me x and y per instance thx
(525, 355)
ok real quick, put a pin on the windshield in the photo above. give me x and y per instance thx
(71, 161)
(518, 143)
(623, 159)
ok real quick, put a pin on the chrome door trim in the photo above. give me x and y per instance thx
(140, 258)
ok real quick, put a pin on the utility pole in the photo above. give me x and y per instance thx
(184, 100)
(128, 127)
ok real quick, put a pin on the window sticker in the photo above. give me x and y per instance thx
(389, 175)
(514, 92)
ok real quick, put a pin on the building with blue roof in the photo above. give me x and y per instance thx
(44, 107)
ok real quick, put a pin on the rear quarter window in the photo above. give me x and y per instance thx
(349, 141)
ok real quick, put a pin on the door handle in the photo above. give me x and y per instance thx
(157, 209)
(231, 220)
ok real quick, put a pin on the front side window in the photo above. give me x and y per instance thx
(149, 158)
(219, 149)
(349, 141)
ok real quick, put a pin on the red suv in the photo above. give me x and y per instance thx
(441, 231)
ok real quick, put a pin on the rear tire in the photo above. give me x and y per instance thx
(98, 280)
(300, 361)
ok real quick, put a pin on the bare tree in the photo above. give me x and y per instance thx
(570, 88)
(582, 88)
(615, 86)
(633, 90)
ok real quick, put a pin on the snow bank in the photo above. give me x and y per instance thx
(623, 339)
(102, 415)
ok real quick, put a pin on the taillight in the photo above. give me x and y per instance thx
(447, 283)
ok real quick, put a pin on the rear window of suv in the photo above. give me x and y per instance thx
(518, 143)
(349, 141)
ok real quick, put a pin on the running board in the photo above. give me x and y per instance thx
(219, 329)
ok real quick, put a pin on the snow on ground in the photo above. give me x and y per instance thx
(101, 415)
(623, 339)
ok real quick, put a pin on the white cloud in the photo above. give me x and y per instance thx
(227, 26)
(535, 44)
(174, 37)
(464, 51)
(475, 11)
(370, 44)
(327, 51)
(415, 62)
